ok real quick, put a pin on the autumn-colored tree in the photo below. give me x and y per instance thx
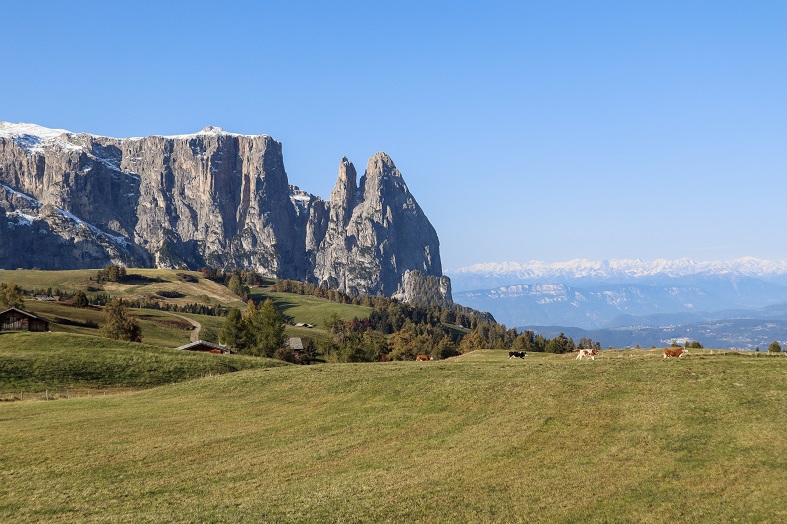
(119, 324)
(10, 296)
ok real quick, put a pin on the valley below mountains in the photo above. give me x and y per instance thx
(736, 304)
(209, 199)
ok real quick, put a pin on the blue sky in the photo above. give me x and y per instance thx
(526, 130)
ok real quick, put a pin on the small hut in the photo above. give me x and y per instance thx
(15, 319)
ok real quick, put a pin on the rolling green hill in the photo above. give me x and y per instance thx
(158, 327)
(479, 438)
(34, 362)
(309, 309)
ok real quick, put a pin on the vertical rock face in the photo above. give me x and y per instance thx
(376, 232)
(207, 199)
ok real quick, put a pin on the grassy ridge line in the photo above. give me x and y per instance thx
(38, 361)
(79, 280)
(549, 439)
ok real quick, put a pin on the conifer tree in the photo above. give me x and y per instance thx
(233, 331)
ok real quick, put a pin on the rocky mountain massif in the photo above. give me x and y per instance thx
(213, 199)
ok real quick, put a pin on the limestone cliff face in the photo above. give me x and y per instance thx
(376, 232)
(207, 199)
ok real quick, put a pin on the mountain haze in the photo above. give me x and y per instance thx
(627, 302)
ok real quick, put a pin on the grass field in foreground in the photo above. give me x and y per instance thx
(627, 438)
(35, 362)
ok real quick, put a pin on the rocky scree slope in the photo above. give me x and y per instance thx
(212, 198)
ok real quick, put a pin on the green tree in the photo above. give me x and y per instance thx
(236, 286)
(81, 300)
(233, 332)
(119, 324)
(446, 348)
(471, 342)
(265, 329)
(336, 326)
(774, 347)
(560, 344)
(112, 273)
(10, 296)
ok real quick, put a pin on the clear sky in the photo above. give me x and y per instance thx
(546, 130)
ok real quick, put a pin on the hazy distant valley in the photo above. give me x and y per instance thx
(736, 304)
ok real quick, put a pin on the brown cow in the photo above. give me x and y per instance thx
(675, 352)
(423, 358)
(587, 353)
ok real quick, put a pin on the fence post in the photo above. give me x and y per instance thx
(47, 394)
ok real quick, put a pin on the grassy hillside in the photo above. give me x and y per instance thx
(160, 328)
(141, 282)
(627, 438)
(34, 362)
(309, 309)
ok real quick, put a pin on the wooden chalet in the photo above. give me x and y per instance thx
(18, 320)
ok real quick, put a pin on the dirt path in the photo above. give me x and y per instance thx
(197, 326)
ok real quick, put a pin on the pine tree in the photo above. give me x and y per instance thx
(233, 332)
(270, 329)
(263, 329)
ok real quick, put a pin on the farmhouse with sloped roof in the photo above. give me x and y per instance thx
(15, 319)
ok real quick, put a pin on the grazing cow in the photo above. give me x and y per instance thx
(587, 353)
(516, 354)
(674, 352)
(423, 358)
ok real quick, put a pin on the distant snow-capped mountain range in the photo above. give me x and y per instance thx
(669, 297)
(494, 274)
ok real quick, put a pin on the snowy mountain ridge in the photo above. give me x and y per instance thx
(616, 269)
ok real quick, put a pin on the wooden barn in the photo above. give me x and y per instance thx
(205, 347)
(17, 320)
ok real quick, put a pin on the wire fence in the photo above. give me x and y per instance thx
(59, 394)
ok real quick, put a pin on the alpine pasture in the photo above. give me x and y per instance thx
(628, 437)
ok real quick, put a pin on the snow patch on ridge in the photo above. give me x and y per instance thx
(35, 139)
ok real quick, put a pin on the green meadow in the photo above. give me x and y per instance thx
(160, 328)
(36, 362)
(628, 437)
(309, 309)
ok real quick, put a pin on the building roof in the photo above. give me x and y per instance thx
(203, 343)
(295, 343)
(26, 313)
